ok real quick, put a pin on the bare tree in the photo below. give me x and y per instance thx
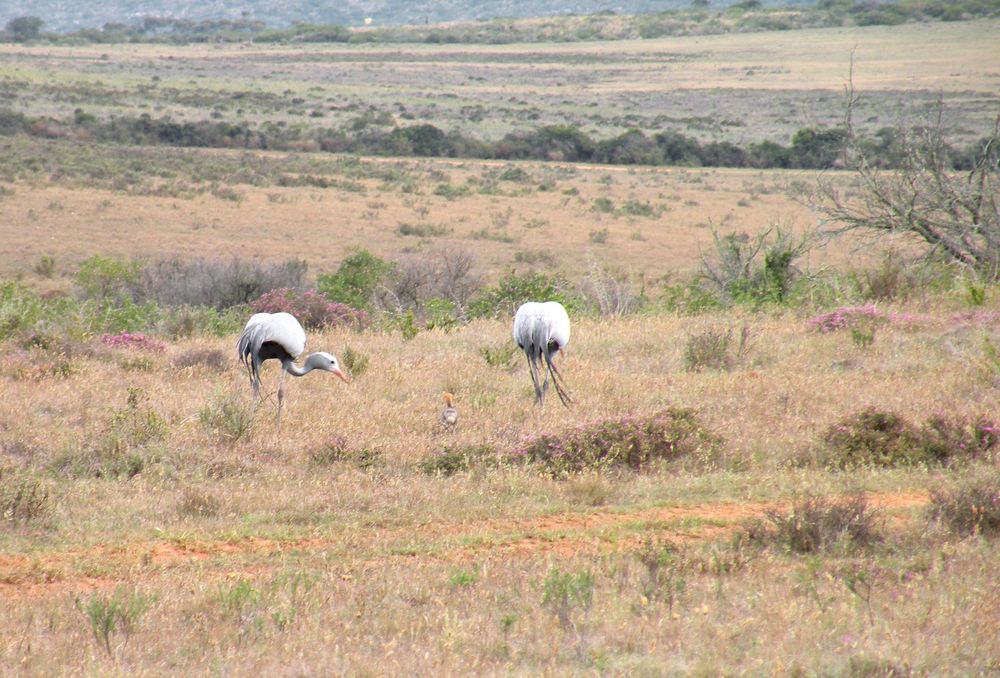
(956, 213)
(447, 274)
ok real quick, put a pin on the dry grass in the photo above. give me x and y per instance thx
(205, 226)
(368, 563)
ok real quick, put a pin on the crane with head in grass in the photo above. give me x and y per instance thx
(541, 329)
(279, 336)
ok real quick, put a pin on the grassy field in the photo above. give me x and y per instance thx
(740, 88)
(152, 523)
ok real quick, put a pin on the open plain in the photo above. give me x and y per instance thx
(153, 524)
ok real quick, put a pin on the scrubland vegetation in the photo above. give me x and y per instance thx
(782, 453)
(701, 18)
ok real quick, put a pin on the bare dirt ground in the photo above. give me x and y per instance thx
(562, 534)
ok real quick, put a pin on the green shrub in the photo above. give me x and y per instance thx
(123, 448)
(663, 580)
(20, 309)
(336, 449)
(45, 267)
(500, 355)
(109, 615)
(357, 281)
(635, 442)
(563, 591)
(108, 278)
(355, 362)
(513, 290)
(689, 299)
(736, 273)
(968, 505)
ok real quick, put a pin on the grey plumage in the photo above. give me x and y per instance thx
(279, 336)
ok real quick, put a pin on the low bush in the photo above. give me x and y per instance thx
(499, 355)
(311, 308)
(132, 340)
(456, 458)
(880, 438)
(114, 614)
(203, 358)
(337, 449)
(108, 278)
(712, 349)
(228, 416)
(969, 505)
(124, 446)
(564, 591)
(20, 309)
(863, 318)
(354, 361)
(195, 502)
(635, 442)
(187, 321)
(816, 524)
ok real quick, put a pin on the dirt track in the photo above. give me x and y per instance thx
(563, 534)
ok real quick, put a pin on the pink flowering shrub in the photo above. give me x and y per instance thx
(851, 316)
(311, 308)
(132, 340)
(875, 437)
(977, 317)
(636, 442)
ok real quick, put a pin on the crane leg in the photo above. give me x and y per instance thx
(281, 396)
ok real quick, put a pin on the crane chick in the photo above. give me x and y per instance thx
(449, 415)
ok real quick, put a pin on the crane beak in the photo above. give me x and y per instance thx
(343, 376)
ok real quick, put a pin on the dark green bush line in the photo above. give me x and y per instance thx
(741, 17)
(810, 148)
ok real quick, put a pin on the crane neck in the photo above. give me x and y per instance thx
(294, 369)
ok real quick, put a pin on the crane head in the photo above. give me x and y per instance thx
(328, 362)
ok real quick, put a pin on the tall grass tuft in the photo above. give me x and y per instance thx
(816, 524)
(228, 416)
(23, 499)
(969, 505)
(111, 615)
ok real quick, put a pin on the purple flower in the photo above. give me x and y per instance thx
(132, 340)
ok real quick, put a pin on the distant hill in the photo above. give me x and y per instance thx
(63, 16)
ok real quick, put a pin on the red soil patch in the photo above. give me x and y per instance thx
(564, 534)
